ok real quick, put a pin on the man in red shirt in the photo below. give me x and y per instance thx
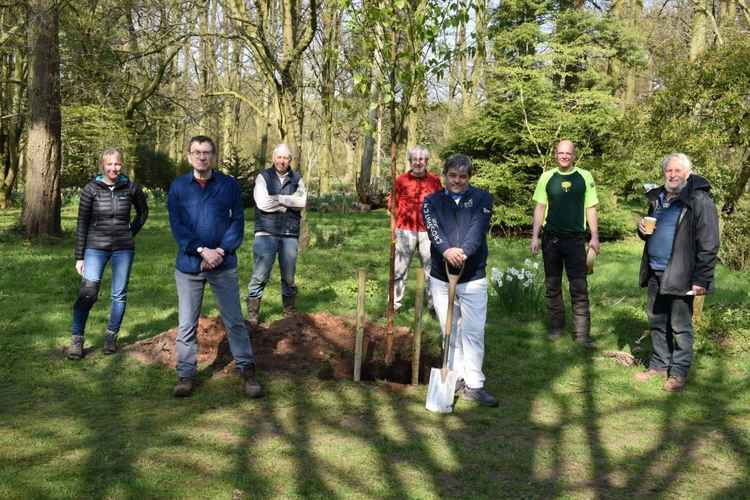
(411, 190)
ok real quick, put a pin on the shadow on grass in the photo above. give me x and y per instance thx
(569, 424)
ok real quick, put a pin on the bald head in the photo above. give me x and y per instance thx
(565, 154)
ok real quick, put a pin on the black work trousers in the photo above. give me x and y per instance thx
(569, 253)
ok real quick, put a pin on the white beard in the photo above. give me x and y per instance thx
(676, 190)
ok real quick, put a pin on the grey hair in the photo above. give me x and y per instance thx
(417, 150)
(459, 162)
(281, 148)
(683, 158)
(110, 152)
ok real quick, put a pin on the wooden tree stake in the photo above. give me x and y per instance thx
(418, 305)
(698, 308)
(360, 331)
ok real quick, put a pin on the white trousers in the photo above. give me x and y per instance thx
(406, 244)
(467, 337)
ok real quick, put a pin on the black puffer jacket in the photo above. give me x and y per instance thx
(696, 240)
(104, 215)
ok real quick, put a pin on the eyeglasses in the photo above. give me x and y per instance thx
(201, 154)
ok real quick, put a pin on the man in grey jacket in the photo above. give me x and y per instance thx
(678, 263)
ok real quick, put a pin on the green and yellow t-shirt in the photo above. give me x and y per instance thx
(567, 195)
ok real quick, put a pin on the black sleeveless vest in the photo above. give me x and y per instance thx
(279, 223)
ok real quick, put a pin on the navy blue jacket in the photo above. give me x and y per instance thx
(463, 225)
(210, 217)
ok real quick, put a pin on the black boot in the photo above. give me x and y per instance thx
(249, 384)
(555, 307)
(581, 313)
(253, 311)
(288, 301)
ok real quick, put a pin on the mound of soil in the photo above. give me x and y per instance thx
(302, 343)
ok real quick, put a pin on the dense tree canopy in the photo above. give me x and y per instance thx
(343, 80)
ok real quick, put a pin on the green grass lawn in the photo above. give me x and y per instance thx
(571, 423)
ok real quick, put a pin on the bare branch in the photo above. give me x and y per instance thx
(236, 95)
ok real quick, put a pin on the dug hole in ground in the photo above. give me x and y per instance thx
(303, 344)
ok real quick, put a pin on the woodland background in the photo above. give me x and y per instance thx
(351, 84)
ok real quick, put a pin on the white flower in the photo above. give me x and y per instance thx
(536, 265)
(527, 262)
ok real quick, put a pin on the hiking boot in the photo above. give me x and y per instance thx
(253, 311)
(184, 387)
(675, 383)
(480, 395)
(75, 351)
(249, 384)
(554, 335)
(288, 301)
(649, 374)
(110, 342)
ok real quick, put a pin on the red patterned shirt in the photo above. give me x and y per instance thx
(410, 193)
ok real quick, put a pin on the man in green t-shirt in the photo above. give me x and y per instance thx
(565, 201)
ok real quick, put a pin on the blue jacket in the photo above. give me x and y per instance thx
(210, 217)
(463, 225)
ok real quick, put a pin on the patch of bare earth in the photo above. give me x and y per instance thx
(299, 344)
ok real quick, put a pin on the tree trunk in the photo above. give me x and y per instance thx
(364, 192)
(737, 188)
(699, 29)
(331, 30)
(41, 210)
(262, 127)
(11, 127)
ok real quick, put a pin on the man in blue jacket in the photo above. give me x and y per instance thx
(457, 220)
(207, 220)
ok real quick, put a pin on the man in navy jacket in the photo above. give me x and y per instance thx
(457, 220)
(208, 222)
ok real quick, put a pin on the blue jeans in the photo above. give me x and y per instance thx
(225, 286)
(265, 249)
(94, 262)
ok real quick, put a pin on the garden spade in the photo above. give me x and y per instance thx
(442, 388)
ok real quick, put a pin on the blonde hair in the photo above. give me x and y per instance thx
(110, 152)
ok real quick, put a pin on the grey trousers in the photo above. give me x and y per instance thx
(190, 288)
(407, 243)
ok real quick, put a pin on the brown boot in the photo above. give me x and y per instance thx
(253, 311)
(249, 384)
(184, 387)
(649, 374)
(288, 301)
(110, 342)
(675, 383)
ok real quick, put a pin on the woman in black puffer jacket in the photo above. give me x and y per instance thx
(105, 232)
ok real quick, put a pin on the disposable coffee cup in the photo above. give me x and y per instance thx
(649, 224)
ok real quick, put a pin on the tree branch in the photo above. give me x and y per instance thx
(236, 95)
